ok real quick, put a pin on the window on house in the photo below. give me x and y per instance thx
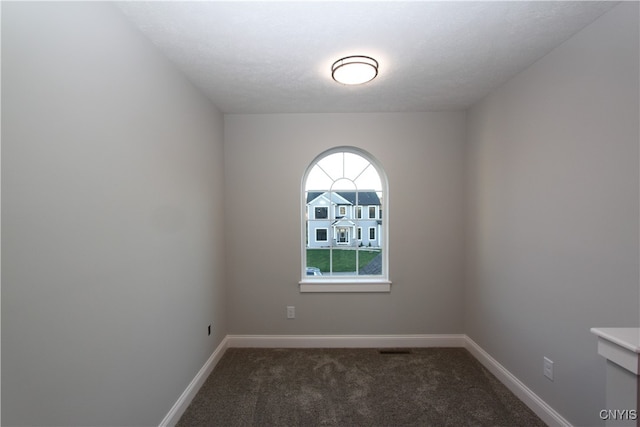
(335, 247)
(372, 212)
(321, 213)
(321, 234)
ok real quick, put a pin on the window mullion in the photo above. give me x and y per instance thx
(361, 172)
(332, 230)
(357, 225)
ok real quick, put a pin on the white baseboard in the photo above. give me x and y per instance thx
(535, 403)
(345, 341)
(172, 418)
(517, 387)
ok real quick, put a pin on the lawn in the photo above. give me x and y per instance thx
(344, 260)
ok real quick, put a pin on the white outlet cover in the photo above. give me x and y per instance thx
(548, 368)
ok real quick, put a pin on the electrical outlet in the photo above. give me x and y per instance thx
(547, 368)
(291, 312)
(209, 330)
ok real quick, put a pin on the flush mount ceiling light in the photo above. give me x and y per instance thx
(354, 70)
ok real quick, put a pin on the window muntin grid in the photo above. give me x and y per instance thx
(350, 184)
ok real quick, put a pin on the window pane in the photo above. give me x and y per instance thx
(369, 180)
(344, 261)
(354, 165)
(318, 180)
(321, 213)
(332, 165)
(370, 262)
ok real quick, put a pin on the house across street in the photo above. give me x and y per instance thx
(343, 218)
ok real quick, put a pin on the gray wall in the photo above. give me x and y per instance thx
(112, 244)
(265, 159)
(113, 213)
(553, 213)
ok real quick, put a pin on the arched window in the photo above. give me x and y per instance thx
(344, 223)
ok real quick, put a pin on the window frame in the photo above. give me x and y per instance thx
(364, 283)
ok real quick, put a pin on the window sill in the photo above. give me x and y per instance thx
(337, 285)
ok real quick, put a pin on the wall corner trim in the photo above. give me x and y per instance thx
(178, 408)
(517, 387)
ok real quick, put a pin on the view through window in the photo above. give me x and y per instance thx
(344, 196)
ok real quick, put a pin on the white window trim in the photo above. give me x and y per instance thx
(350, 284)
(344, 285)
(359, 234)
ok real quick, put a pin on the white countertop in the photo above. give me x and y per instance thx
(621, 346)
(628, 338)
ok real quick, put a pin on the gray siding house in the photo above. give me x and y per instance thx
(343, 218)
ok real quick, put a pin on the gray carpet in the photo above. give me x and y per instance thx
(354, 387)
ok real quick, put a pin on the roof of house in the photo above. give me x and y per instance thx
(366, 197)
(335, 198)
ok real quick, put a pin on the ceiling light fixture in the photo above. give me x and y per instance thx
(354, 70)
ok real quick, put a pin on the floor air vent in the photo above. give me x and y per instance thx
(394, 351)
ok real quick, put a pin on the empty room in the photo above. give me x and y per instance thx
(367, 188)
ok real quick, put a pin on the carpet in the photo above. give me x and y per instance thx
(354, 387)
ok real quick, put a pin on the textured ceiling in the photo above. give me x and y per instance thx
(275, 57)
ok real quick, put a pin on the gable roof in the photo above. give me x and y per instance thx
(366, 197)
